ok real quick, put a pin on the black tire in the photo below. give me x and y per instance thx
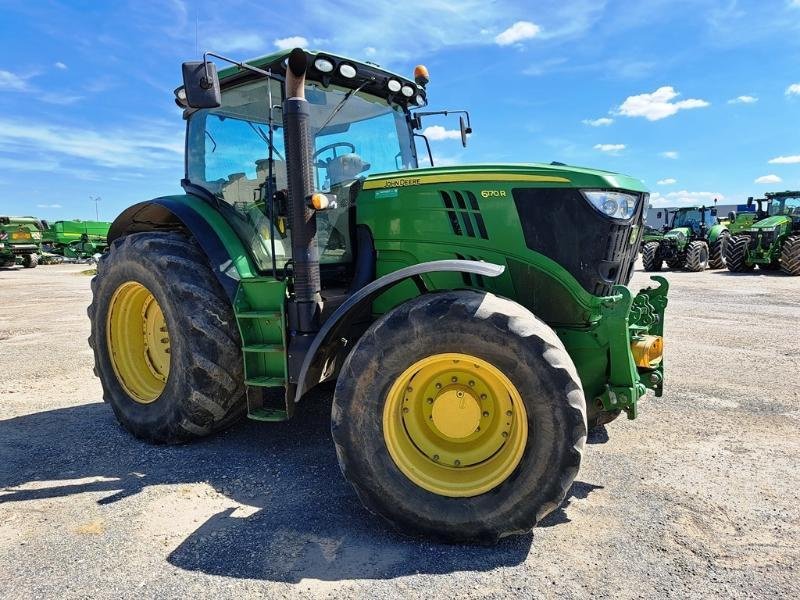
(29, 261)
(717, 251)
(736, 254)
(204, 390)
(697, 256)
(509, 337)
(790, 255)
(651, 261)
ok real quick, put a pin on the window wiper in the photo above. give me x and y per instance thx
(341, 104)
(214, 149)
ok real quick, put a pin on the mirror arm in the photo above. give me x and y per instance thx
(241, 65)
(418, 114)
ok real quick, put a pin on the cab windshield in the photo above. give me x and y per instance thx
(354, 133)
(693, 218)
(785, 206)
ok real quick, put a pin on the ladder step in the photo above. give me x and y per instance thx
(263, 348)
(260, 314)
(268, 414)
(266, 382)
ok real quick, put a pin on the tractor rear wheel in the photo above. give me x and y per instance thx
(29, 261)
(651, 261)
(717, 251)
(165, 342)
(697, 256)
(736, 254)
(790, 255)
(459, 416)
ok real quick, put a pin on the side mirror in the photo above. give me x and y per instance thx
(732, 216)
(750, 201)
(714, 212)
(201, 85)
(464, 130)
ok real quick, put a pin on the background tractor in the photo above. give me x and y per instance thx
(76, 239)
(737, 222)
(475, 318)
(773, 240)
(695, 240)
(20, 241)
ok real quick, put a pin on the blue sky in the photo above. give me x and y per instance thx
(698, 98)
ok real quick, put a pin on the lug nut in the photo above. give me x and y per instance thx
(430, 401)
(483, 396)
(508, 413)
(457, 462)
(505, 434)
(486, 413)
(405, 409)
(436, 457)
(454, 379)
(438, 386)
(471, 384)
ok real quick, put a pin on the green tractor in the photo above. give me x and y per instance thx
(738, 222)
(695, 240)
(20, 241)
(76, 239)
(773, 240)
(475, 319)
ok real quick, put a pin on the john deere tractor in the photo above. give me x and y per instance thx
(695, 241)
(773, 240)
(20, 240)
(475, 319)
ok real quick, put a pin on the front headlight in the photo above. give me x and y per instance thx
(616, 205)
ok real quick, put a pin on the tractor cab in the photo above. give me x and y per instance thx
(696, 219)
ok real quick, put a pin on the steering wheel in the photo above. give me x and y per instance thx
(333, 147)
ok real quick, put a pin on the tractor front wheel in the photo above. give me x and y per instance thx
(736, 254)
(165, 342)
(29, 261)
(459, 416)
(696, 256)
(790, 255)
(717, 251)
(651, 261)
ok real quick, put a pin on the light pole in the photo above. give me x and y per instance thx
(96, 200)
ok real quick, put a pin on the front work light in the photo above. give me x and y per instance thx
(348, 71)
(323, 65)
(394, 85)
(408, 91)
(616, 205)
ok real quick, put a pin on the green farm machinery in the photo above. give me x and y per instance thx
(76, 239)
(695, 240)
(20, 241)
(475, 319)
(772, 240)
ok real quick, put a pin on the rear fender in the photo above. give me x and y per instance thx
(226, 254)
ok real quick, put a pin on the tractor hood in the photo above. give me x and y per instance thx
(679, 232)
(557, 175)
(770, 222)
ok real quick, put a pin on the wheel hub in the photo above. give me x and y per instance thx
(455, 425)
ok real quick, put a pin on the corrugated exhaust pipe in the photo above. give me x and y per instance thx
(300, 175)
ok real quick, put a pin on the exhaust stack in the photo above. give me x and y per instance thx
(302, 219)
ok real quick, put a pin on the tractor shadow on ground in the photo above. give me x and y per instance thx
(292, 514)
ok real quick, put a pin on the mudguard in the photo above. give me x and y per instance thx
(331, 341)
(715, 232)
(226, 254)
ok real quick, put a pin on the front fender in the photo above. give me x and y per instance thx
(226, 254)
(715, 232)
(332, 342)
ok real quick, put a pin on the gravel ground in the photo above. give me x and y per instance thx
(698, 497)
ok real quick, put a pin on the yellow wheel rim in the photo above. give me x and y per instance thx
(138, 342)
(455, 425)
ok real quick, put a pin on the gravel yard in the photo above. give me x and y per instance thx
(698, 497)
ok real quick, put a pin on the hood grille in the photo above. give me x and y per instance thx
(464, 214)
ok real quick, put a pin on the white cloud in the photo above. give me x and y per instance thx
(601, 122)
(48, 206)
(743, 100)
(671, 154)
(519, 31)
(443, 161)
(785, 160)
(370, 51)
(793, 90)
(60, 99)
(437, 133)
(667, 181)
(684, 198)
(289, 43)
(768, 179)
(658, 105)
(132, 147)
(610, 148)
(60, 65)
(13, 83)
